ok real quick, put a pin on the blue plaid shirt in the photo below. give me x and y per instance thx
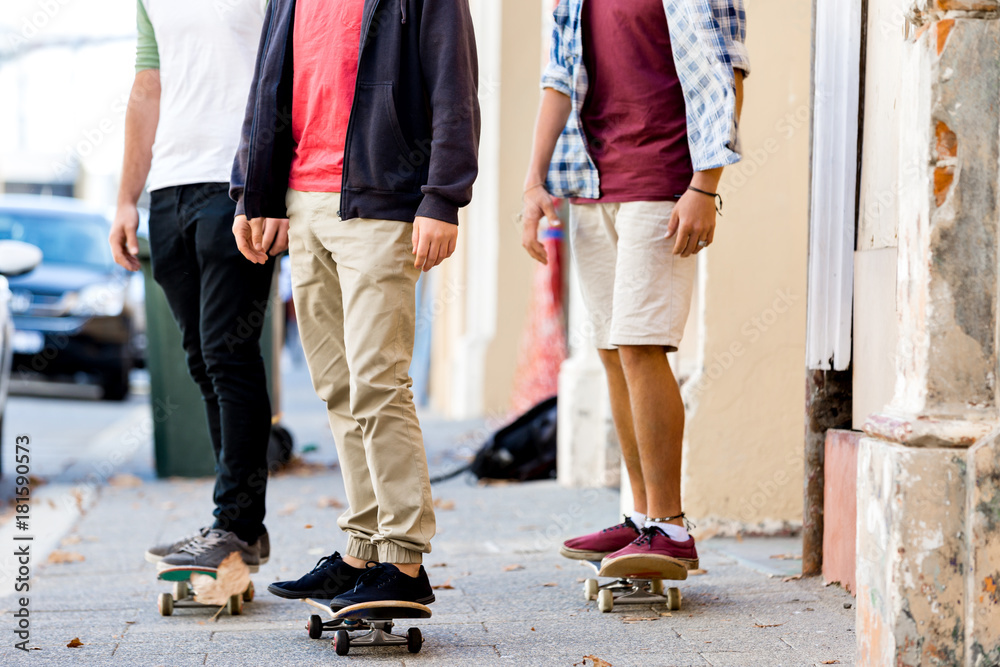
(706, 37)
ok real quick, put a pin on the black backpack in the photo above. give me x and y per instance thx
(523, 450)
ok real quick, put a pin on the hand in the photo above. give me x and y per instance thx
(692, 220)
(433, 241)
(124, 245)
(249, 238)
(275, 239)
(537, 204)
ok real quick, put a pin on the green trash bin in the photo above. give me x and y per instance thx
(182, 445)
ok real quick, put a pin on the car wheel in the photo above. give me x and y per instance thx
(116, 382)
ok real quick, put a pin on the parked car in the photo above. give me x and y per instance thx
(15, 259)
(72, 314)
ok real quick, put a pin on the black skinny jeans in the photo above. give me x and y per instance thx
(219, 299)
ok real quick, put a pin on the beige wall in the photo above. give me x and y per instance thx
(744, 438)
(875, 316)
(483, 296)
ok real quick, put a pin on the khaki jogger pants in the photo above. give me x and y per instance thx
(354, 283)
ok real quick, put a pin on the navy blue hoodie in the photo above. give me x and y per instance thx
(413, 136)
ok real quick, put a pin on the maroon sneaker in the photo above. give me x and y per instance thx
(653, 555)
(598, 545)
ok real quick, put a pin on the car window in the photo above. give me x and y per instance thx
(64, 238)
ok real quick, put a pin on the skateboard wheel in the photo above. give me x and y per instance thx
(674, 599)
(165, 603)
(590, 588)
(342, 642)
(315, 627)
(414, 640)
(605, 601)
(656, 586)
(248, 593)
(235, 604)
(180, 590)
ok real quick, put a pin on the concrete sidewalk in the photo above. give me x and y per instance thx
(506, 596)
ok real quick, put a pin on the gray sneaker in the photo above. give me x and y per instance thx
(160, 551)
(264, 542)
(207, 551)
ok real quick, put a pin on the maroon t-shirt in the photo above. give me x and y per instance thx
(634, 114)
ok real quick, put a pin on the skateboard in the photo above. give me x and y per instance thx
(184, 593)
(631, 589)
(373, 618)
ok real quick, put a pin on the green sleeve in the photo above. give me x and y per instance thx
(147, 56)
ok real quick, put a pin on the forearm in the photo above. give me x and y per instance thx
(141, 118)
(738, 75)
(552, 116)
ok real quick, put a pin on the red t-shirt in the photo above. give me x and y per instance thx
(634, 114)
(325, 46)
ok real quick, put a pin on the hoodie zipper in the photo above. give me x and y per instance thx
(365, 26)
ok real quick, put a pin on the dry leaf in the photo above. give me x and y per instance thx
(787, 556)
(551, 584)
(308, 526)
(440, 565)
(636, 619)
(794, 577)
(594, 662)
(78, 498)
(444, 504)
(74, 643)
(70, 540)
(830, 662)
(665, 613)
(232, 578)
(695, 573)
(511, 568)
(446, 586)
(288, 509)
(124, 481)
(326, 502)
(766, 625)
(59, 556)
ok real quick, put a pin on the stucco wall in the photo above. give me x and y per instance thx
(743, 448)
(482, 295)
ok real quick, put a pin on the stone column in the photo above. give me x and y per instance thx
(588, 454)
(929, 468)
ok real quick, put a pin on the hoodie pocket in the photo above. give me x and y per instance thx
(380, 157)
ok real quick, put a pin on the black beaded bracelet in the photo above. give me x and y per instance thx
(714, 195)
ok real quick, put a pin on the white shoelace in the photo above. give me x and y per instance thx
(202, 543)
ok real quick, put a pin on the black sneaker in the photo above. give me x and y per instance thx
(331, 577)
(383, 581)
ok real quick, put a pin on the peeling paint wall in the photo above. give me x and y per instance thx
(929, 474)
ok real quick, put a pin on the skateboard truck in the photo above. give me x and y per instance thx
(183, 594)
(376, 621)
(629, 590)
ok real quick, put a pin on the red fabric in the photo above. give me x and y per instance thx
(634, 115)
(325, 46)
(543, 343)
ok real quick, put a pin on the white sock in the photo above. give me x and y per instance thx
(676, 533)
(638, 518)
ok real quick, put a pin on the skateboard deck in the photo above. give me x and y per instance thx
(375, 619)
(183, 593)
(644, 588)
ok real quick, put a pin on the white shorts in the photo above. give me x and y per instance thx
(637, 291)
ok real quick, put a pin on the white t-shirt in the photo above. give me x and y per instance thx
(206, 51)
